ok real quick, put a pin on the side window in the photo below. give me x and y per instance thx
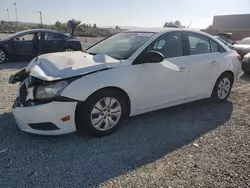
(26, 37)
(159, 45)
(52, 36)
(198, 44)
(169, 44)
(214, 46)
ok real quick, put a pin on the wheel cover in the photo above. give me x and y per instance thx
(68, 50)
(2, 56)
(106, 113)
(223, 88)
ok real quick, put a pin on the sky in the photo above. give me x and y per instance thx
(138, 13)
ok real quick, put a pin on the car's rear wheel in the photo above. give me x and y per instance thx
(222, 87)
(102, 113)
(68, 50)
(3, 56)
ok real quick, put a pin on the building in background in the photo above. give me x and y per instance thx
(238, 25)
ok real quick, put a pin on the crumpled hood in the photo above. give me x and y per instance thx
(56, 66)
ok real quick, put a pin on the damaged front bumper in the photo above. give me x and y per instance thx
(46, 117)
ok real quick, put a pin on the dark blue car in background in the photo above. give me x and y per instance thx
(30, 43)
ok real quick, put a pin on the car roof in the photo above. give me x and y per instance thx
(37, 30)
(163, 30)
(153, 30)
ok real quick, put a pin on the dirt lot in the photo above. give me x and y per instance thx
(200, 144)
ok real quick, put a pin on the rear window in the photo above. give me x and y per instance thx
(52, 36)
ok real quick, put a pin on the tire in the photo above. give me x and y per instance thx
(3, 56)
(68, 49)
(222, 88)
(98, 120)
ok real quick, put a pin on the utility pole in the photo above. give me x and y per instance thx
(189, 24)
(16, 15)
(8, 15)
(41, 18)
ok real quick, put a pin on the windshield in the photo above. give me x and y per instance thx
(224, 42)
(226, 39)
(121, 45)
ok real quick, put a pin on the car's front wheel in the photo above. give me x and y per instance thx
(102, 113)
(222, 87)
(3, 56)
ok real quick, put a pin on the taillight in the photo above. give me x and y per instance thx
(239, 58)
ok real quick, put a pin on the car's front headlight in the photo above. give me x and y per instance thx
(50, 90)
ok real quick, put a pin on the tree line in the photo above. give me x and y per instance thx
(176, 24)
(84, 30)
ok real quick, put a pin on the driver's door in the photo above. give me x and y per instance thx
(162, 84)
(23, 45)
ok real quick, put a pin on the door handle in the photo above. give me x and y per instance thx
(181, 69)
(213, 62)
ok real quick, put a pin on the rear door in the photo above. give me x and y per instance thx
(23, 44)
(51, 42)
(205, 59)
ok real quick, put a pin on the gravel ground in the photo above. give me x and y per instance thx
(200, 144)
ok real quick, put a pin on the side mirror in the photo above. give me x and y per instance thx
(150, 57)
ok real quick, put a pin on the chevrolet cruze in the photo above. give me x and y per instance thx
(127, 74)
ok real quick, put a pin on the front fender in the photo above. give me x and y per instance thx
(83, 87)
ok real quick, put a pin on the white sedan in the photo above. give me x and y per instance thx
(130, 73)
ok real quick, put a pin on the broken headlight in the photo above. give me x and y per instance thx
(50, 90)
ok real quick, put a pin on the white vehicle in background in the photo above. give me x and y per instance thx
(130, 73)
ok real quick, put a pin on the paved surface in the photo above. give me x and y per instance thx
(200, 144)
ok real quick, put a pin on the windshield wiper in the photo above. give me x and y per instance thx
(89, 53)
(117, 58)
